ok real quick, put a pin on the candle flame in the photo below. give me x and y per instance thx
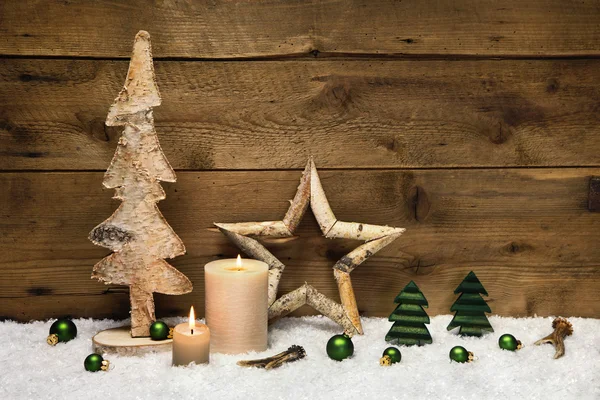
(192, 319)
(238, 265)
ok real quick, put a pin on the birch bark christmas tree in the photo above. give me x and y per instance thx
(137, 232)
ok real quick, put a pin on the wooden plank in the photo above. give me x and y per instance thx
(104, 305)
(278, 27)
(272, 115)
(516, 292)
(525, 232)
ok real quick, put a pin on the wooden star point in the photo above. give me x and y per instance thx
(311, 192)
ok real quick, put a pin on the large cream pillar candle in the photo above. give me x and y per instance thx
(236, 305)
(191, 342)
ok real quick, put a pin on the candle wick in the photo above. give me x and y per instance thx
(192, 331)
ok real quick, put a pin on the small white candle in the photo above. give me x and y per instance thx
(237, 305)
(191, 342)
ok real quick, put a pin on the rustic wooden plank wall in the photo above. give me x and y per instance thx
(474, 124)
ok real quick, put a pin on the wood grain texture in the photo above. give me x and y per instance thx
(224, 29)
(527, 234)
(348, 114)
(119, 341)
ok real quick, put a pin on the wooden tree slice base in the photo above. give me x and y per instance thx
(119, 341)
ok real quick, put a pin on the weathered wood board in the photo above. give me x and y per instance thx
(526, 232)
(266, 28)
(348, 114)
(431, 111)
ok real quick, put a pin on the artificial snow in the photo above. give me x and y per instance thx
(31, 369)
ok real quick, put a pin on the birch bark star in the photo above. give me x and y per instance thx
(311, 192)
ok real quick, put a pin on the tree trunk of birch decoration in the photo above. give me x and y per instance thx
(310, 192)
(137, 232)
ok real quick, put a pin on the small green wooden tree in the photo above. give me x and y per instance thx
(470, 308)
(409, 318)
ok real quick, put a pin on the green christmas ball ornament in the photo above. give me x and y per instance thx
(159, 331)
(61, 330)
(509, 342)
(340, 347)
(94, 362)
(393, 353)
(460, 354)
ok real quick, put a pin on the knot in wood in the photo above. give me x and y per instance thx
(345, 263)
(110, 235)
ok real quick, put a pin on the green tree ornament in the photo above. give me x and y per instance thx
(95, 362)
(62, 330)
(340, 347)
(409, 318)
(159, 331)
(470, 308)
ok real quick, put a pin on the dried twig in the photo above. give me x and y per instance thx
(300, 203)
(348, 298)
(306, 294)
(293, 353)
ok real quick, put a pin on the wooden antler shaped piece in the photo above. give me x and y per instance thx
(562, 329)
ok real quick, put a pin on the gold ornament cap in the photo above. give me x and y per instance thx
(471, 357)
(519, 345)
(52, 340)
(105, 365)
(385, 361)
